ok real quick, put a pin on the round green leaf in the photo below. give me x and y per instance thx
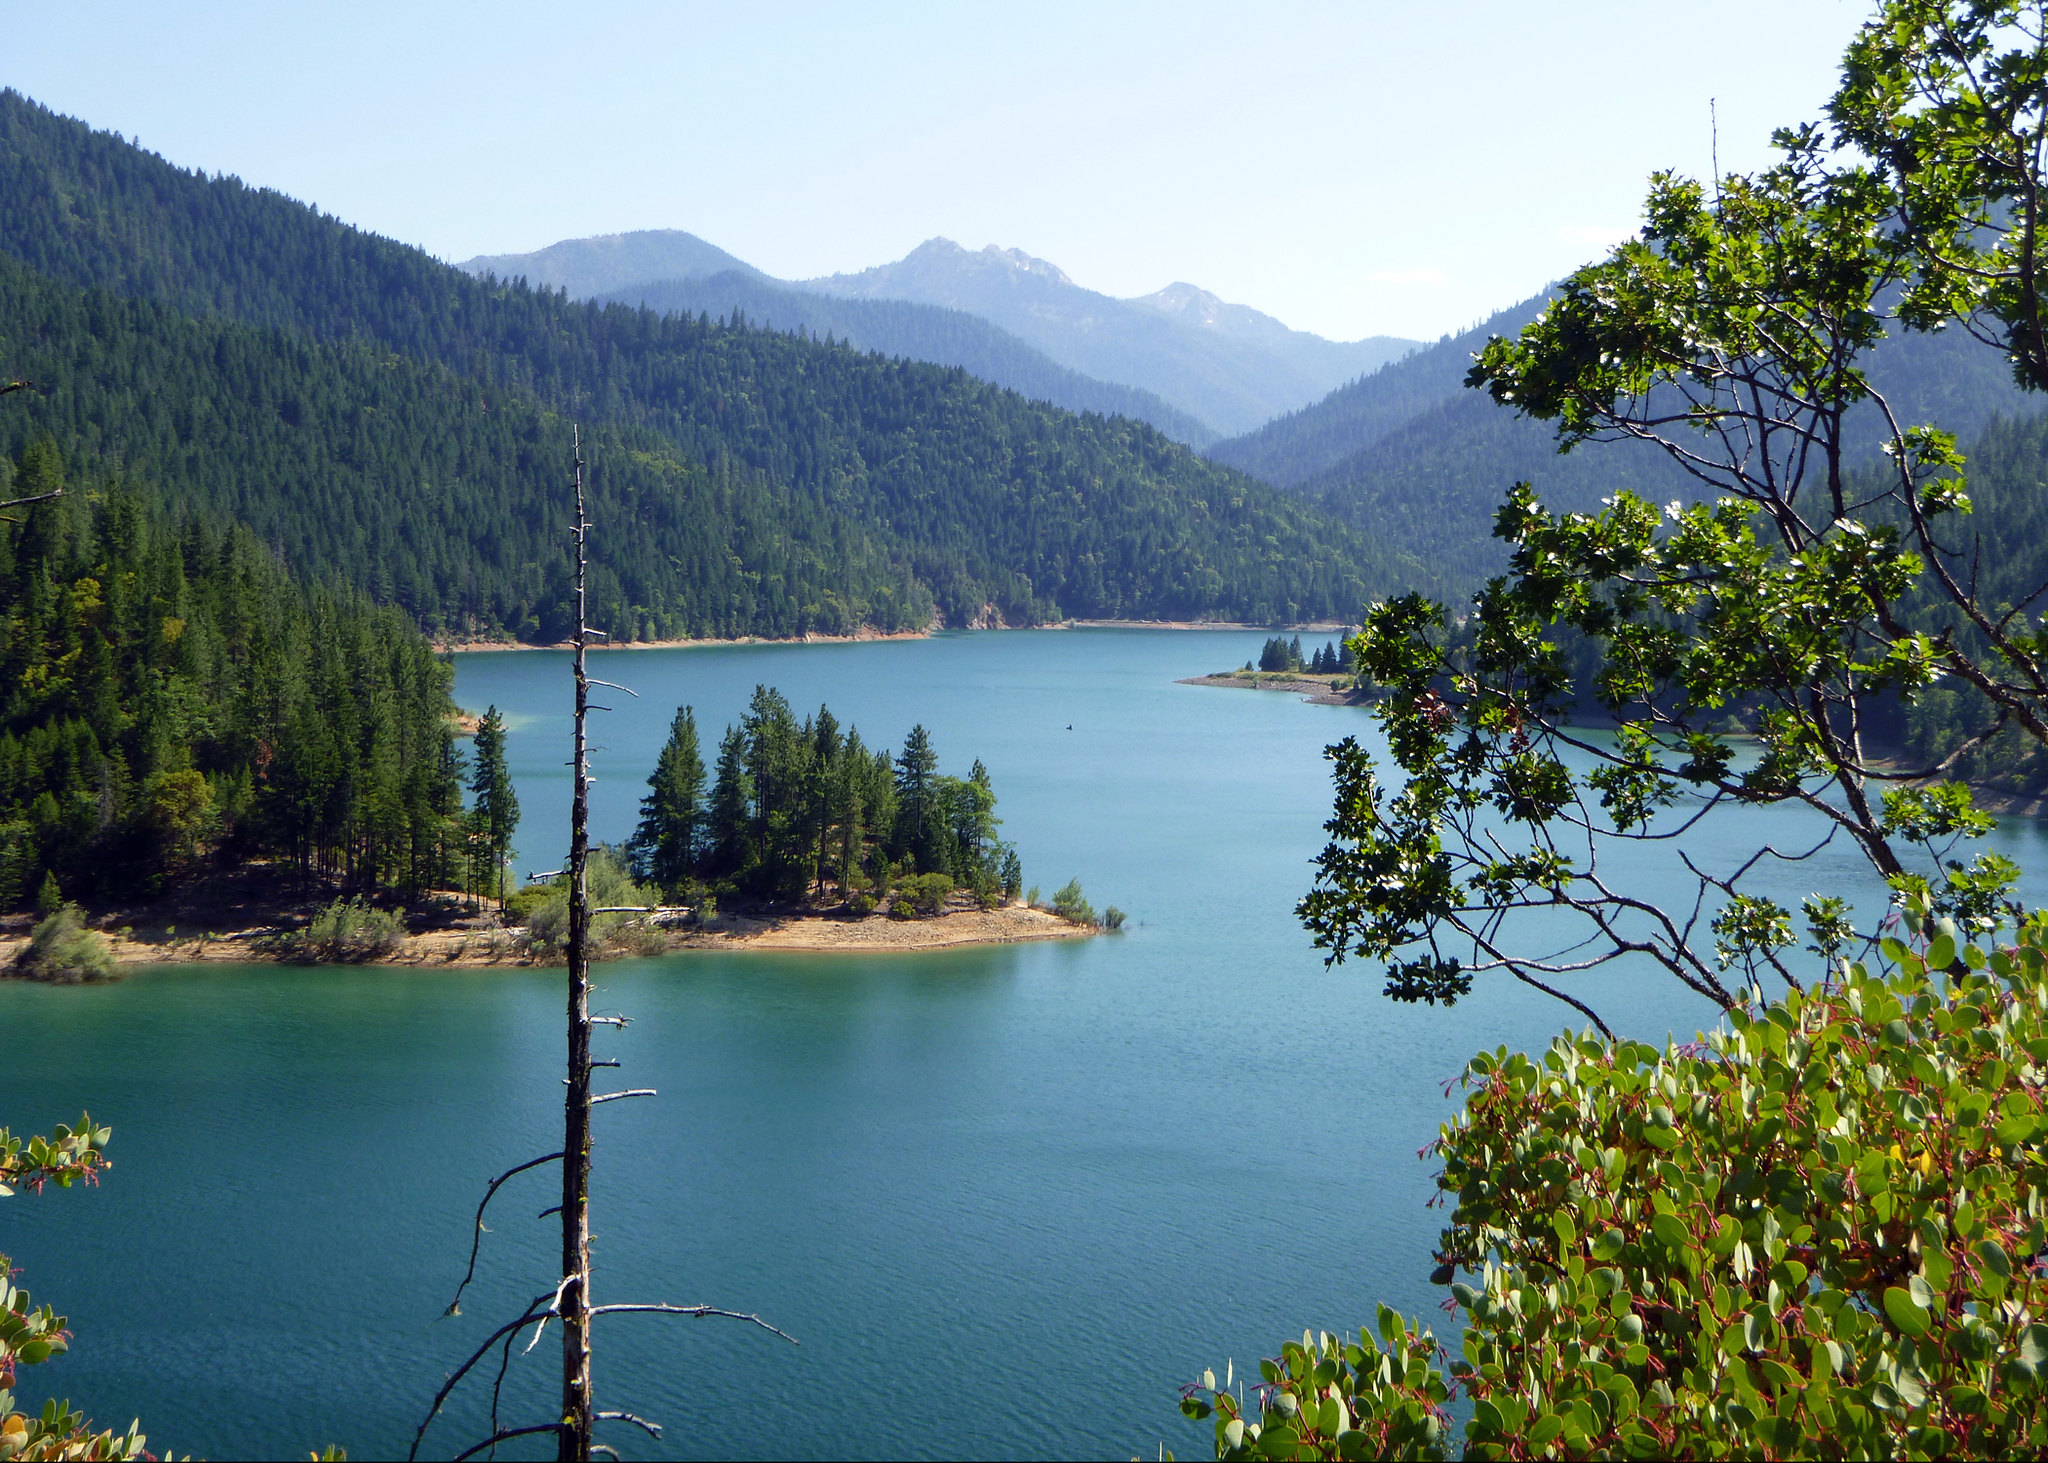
(1905, 1312)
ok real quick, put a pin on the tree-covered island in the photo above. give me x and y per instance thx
(210, 760)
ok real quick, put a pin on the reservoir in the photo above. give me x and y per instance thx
(1007, 1199)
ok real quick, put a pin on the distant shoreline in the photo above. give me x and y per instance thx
(474, 647)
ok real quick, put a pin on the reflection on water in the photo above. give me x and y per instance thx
(1007, 1198)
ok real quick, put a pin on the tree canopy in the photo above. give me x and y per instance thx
(1795, 597)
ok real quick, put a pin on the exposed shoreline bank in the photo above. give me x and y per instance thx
(1311, 688)
(475, 647)
(475, 947)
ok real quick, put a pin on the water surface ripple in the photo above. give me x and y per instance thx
(1008, 1199)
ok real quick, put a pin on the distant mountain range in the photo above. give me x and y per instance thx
(1195, 366)
(915, 332)
(1227, 364)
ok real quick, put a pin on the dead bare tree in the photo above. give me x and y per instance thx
(8, 389)
(570, 1300)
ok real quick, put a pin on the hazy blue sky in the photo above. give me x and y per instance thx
(1355, 169)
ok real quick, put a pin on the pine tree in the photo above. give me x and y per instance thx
(497, 805)
(728, 851)
(664, 848)
(824, 789)
(916, 820)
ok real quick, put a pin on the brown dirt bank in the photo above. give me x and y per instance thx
(1312, 688)
(469, 647)
(468, 943)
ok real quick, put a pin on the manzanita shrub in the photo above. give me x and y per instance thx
(31, 1333)
(1819, 1231)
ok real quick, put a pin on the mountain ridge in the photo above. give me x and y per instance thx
(1227, 367)
(1233, 371)
(902, 328)
(820, 480)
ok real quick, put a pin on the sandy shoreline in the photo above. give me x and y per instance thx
(1310, 688)
(473, 647)
(474, 948)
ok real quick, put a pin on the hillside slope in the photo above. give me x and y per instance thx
(1309, 443)
(911, 477)
(917, 333)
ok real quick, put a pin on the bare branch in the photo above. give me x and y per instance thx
(511, 1432)
(455, 1377)
(699, 1312)
(476, 1240)
(652, 1429)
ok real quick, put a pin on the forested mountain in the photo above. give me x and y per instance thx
(916, 332)
(228, 338)
(1308, 443)
(606, 263)
(1228, 366)
(1424, 461)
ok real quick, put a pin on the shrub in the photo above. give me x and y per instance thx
(862, 902)
(1071, 904)
(1812, 1232)
(63, 950)
(1113, 918)
(348, 930)
(523, 901)
(1031, 896)
(609, 884)
(920, 896)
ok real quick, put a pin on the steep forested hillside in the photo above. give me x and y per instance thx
(238, 334)
(1431, 483)
(1424, 462)
(918, 333)
(1309, 443)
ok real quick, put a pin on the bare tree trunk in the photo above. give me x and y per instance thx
(574, 1437)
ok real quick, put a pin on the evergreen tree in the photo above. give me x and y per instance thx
(917, 821)
(497, 805)
(824, 789)
(1294, 654)
(729, 845)
(664, 848)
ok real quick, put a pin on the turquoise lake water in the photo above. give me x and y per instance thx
(1007, 1199)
